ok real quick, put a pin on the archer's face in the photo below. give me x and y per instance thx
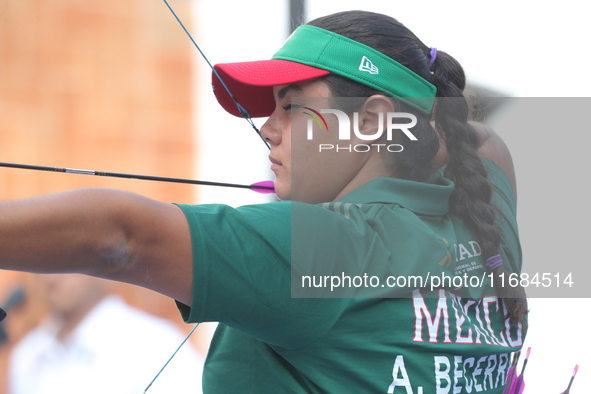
(302, 172)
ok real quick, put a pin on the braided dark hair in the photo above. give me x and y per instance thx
(471, 199)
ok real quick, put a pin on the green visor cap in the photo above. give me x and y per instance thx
(329, 51)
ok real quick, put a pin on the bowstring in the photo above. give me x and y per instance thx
(171, 357)
(243, 112)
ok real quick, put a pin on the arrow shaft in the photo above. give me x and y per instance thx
(128, 176)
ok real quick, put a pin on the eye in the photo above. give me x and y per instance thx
(290, 106)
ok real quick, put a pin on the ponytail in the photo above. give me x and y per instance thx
(471, 199)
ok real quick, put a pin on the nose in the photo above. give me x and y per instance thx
(271, 132)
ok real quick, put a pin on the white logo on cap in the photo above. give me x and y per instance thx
(367, 65)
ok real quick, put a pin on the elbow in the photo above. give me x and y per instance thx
(107, 239)
(114, 261)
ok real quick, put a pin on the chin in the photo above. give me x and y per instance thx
(282, 192)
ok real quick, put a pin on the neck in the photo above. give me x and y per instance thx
(372, 169)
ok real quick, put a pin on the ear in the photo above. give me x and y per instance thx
(373, 118)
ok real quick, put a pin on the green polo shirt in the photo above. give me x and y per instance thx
(268, 272)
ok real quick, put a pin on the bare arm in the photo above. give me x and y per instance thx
(100, 232)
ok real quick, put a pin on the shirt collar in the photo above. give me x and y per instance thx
(418, 197)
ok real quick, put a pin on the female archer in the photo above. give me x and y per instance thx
(389, 196)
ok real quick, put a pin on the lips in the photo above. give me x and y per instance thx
(275, 164)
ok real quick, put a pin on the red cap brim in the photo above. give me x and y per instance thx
(252, 83)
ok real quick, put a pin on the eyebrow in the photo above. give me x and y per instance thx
(283, 92)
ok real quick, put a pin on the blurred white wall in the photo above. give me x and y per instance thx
(228, 149)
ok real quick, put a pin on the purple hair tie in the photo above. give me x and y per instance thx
(433, 58)
(494, 262)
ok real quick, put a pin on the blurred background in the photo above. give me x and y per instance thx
(117, 86)
(95, 84)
